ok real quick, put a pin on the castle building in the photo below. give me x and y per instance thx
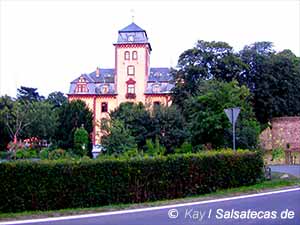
(132, 79)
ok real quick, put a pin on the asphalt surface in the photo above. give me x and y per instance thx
(268, 209)
(290, 169)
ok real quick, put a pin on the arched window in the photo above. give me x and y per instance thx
(134, 55)
(127, 55)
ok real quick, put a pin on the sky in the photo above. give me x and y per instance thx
(47, 44)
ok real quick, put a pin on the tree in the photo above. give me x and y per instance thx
(6, 105)
(72, 115)
(169, 127)
(207, 121)
(57, 99)
(44, 121)
(16, 118)
(81, 141)
(255, 57)
(207, 60)
(163, 123)
(136, 119)
(274, 80)
(28, 94)
(117, 139)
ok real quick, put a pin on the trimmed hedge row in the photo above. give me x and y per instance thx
(48, 185)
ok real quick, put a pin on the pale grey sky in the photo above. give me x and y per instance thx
(46, 44)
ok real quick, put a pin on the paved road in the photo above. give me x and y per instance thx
(270, 208)
(291, 169)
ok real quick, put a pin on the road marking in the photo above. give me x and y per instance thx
(146, 209)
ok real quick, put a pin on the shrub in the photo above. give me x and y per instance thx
(5, 155)
(184, 148)
(277, 153)
(26, 153)
(58, 154)
(44, 153)
(49, 185)
(154, 149)
(81, 141)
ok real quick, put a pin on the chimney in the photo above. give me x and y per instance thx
(97, 72)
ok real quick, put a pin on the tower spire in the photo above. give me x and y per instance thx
(132, 14)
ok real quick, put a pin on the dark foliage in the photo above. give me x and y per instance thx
(47, 185)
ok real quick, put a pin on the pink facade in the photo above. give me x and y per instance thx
(131, 80)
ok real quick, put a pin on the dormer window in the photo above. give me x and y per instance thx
(81, 80)
(156, 88)
(157, 74)
(134, 55)
(105, 89)
(81, 86)
(127, 55)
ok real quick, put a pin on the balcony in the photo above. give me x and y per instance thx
(130, 95)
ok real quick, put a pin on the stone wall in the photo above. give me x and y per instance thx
(284, 133)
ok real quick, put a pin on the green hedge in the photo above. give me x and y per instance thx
(48, 185)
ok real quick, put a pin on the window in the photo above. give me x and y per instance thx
(81, 88)
(134, 55)
(131, 88)
(127, 55)
(156, 88)
(130, 70)
(104, 107)
(105, 89)
(156, 104)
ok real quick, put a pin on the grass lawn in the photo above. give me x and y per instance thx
(274, 184)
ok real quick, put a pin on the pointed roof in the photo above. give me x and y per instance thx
(132, 28)
(133, 34)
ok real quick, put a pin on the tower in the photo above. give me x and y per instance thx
(132, 61)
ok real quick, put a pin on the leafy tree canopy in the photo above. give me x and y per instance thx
(207, 121)
(28, 94)
(207, 60)
(165, 124)
(72, 115)
(136, 119)
(274, 80)
(6, 105)
(57, 99)
(43, 121)
(118, 139)
(169, 127)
